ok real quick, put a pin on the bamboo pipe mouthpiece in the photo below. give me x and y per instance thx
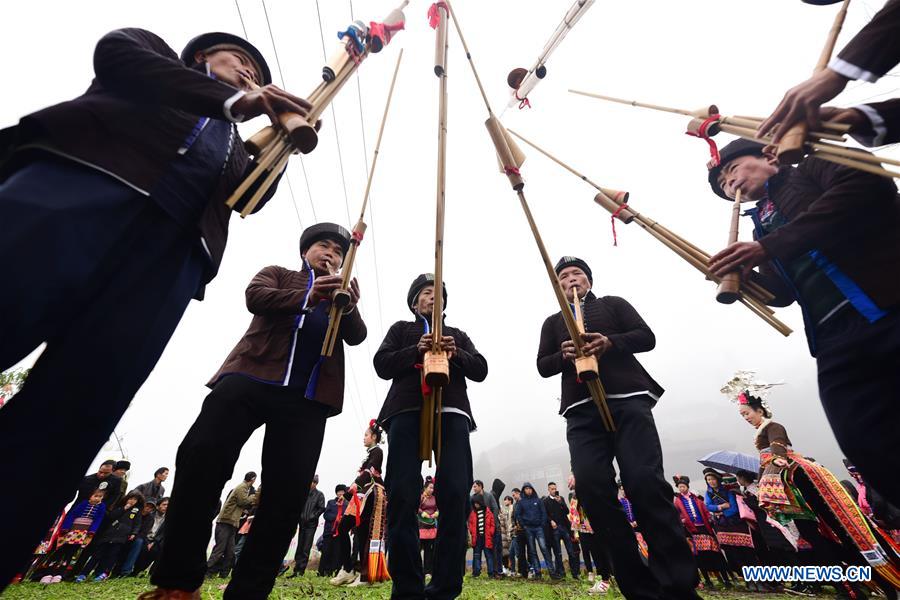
(605, 200)
(436, 368)
(303, 136)
(729, 290)
(587, 368)
(508, 164)
(260, 140)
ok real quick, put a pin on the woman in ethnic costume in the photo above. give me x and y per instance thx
(795, 488)
(365, 516)
(732, 532)
(428, 516)
(698, 528)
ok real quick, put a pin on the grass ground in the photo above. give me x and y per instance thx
(310, 586)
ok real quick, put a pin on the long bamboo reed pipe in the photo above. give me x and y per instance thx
(341, 296)
(730, 285)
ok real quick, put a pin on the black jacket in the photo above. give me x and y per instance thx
(132, 120)
(112, 487)
(849, 216)
(370, 470)
(313, 509)
(121, 524)
(398, 356)
(876, 48)
(557, 511)
(884, 121)
(620, 372)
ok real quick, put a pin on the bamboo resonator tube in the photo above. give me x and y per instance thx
(791, 148)
(587, 367)
(296, 133)
(436, 362)
(729, 290)
(751, 294)
(511, 158)
(341, 297)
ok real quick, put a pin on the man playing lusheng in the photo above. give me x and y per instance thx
(114, 217)
(826, 236)
(614, 333)
(397, 359)
(276, 377)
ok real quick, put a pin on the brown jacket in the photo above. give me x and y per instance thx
(275, 297)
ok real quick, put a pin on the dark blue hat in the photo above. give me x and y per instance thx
(574, 261)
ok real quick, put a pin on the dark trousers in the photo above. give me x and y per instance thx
(521, 553)
(428, 556)
(104, 558)
(635, 446)
(562, 538)
(205, 462)
(859, 379)
(596, 556)
(477, 549)
(327, 564)
(355, 556)
(221, 559)
(305, 534)
(101, 274)
(537, 541)
(149, 555)
(403, 482)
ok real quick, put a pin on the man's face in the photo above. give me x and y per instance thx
(572, 277)
(104, 471)
(516, 496)
(528, 491)
(425, 301)
(340, 494)
(148, 508)
(324, 256)
(748, 174)
(164, 475)
(313, 485)
(551, 489)
(477, 489)
(120, 473)
(163, 507)
(231, 66)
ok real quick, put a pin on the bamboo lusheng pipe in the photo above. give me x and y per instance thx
(598, 394)
(706, 111)
(791, 146)
(299, 131)
(730, 286)
(596, 388)
(341, 296)
(857, 159)
(830, 126)
(751, 294)
(617, 194)
(436, 362)
(586, 367)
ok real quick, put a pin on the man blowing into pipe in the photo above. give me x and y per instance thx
(275, 376)
(397, 359)
(826, 236)
(114, 216)
(614, 332)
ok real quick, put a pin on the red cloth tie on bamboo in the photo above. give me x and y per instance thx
(434, 15)
(511, 170)
(426, 389)
(356, 237)
(612, 221)
(702, 134)
(523, 102)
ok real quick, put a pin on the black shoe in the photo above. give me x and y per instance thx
(292, 575)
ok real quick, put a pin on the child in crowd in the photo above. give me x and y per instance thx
(481, 528)
(77, 531)
(124, 522)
